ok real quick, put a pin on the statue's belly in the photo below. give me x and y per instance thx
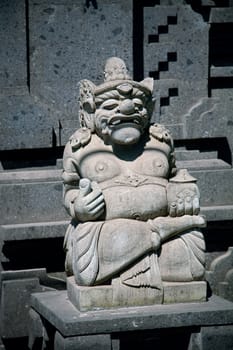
(142, 203)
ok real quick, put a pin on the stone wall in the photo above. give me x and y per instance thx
(47, 46)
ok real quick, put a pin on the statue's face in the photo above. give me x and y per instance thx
(121, 114)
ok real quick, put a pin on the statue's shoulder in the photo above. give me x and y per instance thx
(79, 139)
(164, 142)
(161, 133)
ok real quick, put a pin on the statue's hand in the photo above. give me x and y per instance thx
(187, 205)
(89, 204)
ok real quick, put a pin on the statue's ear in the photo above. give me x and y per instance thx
(148, 83)
(86, 104)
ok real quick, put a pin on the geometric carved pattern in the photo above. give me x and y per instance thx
(165, 101)
(163, 65)
(162, 29)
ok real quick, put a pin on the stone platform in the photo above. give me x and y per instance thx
(120, 295)
(54, 317)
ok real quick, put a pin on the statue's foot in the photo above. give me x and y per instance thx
(168, 226)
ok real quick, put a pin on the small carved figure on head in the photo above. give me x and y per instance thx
(115, 69)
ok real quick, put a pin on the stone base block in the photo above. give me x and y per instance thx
(89, 298)
(183, 292)
(119, 295)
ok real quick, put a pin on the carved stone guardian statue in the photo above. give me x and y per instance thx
(134, 237)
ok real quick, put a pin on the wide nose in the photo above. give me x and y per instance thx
(127, 107)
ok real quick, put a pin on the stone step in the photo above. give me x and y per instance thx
(30, 176)
(34, 230)
(183, 155)
(36, 196)
(203, 164)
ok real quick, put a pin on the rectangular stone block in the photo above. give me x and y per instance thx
(15, 300)
(89, 298)
(31, 202)
(88, 342)
(24, 123)
(17, 287)
(214, 186)
(176, 292)
(118, 295)
(203, 164)
(221, 15)
(182, 155)
(36, 230)
(60, 312)
(218, 213)
(217, 338)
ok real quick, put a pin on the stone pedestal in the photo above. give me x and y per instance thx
(64, 327)
(119, 295)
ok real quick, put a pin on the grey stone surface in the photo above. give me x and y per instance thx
(218, 337)
(89, 342)
(13, 69)
(30, 176)
(58, 55)
(226, 287)
(15, 306)
(186, 45)
(221, 15)
(219, 274)
(34, 230)
(218, 213)
(35, 330)
(29, 197)
(203, 164)
(54, 27)
(222, 120)
(44, 54)
(191, 64)
(182, 155)
(34, 121)
(221, 71)
(188, 112)
(58, 310)
(181, 292)
(25, 203)
(16, 289)
(212, 121)
(214, 186)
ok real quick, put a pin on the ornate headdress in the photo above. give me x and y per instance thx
(116, 80)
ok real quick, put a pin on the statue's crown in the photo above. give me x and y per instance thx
(117, 82)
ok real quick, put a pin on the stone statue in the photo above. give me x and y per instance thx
(135, 217)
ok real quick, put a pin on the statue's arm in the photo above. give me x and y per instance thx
(183, 207)
(83, 199)
(71, 181)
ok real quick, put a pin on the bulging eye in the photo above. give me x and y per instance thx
(138, 103)
(109, 104)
